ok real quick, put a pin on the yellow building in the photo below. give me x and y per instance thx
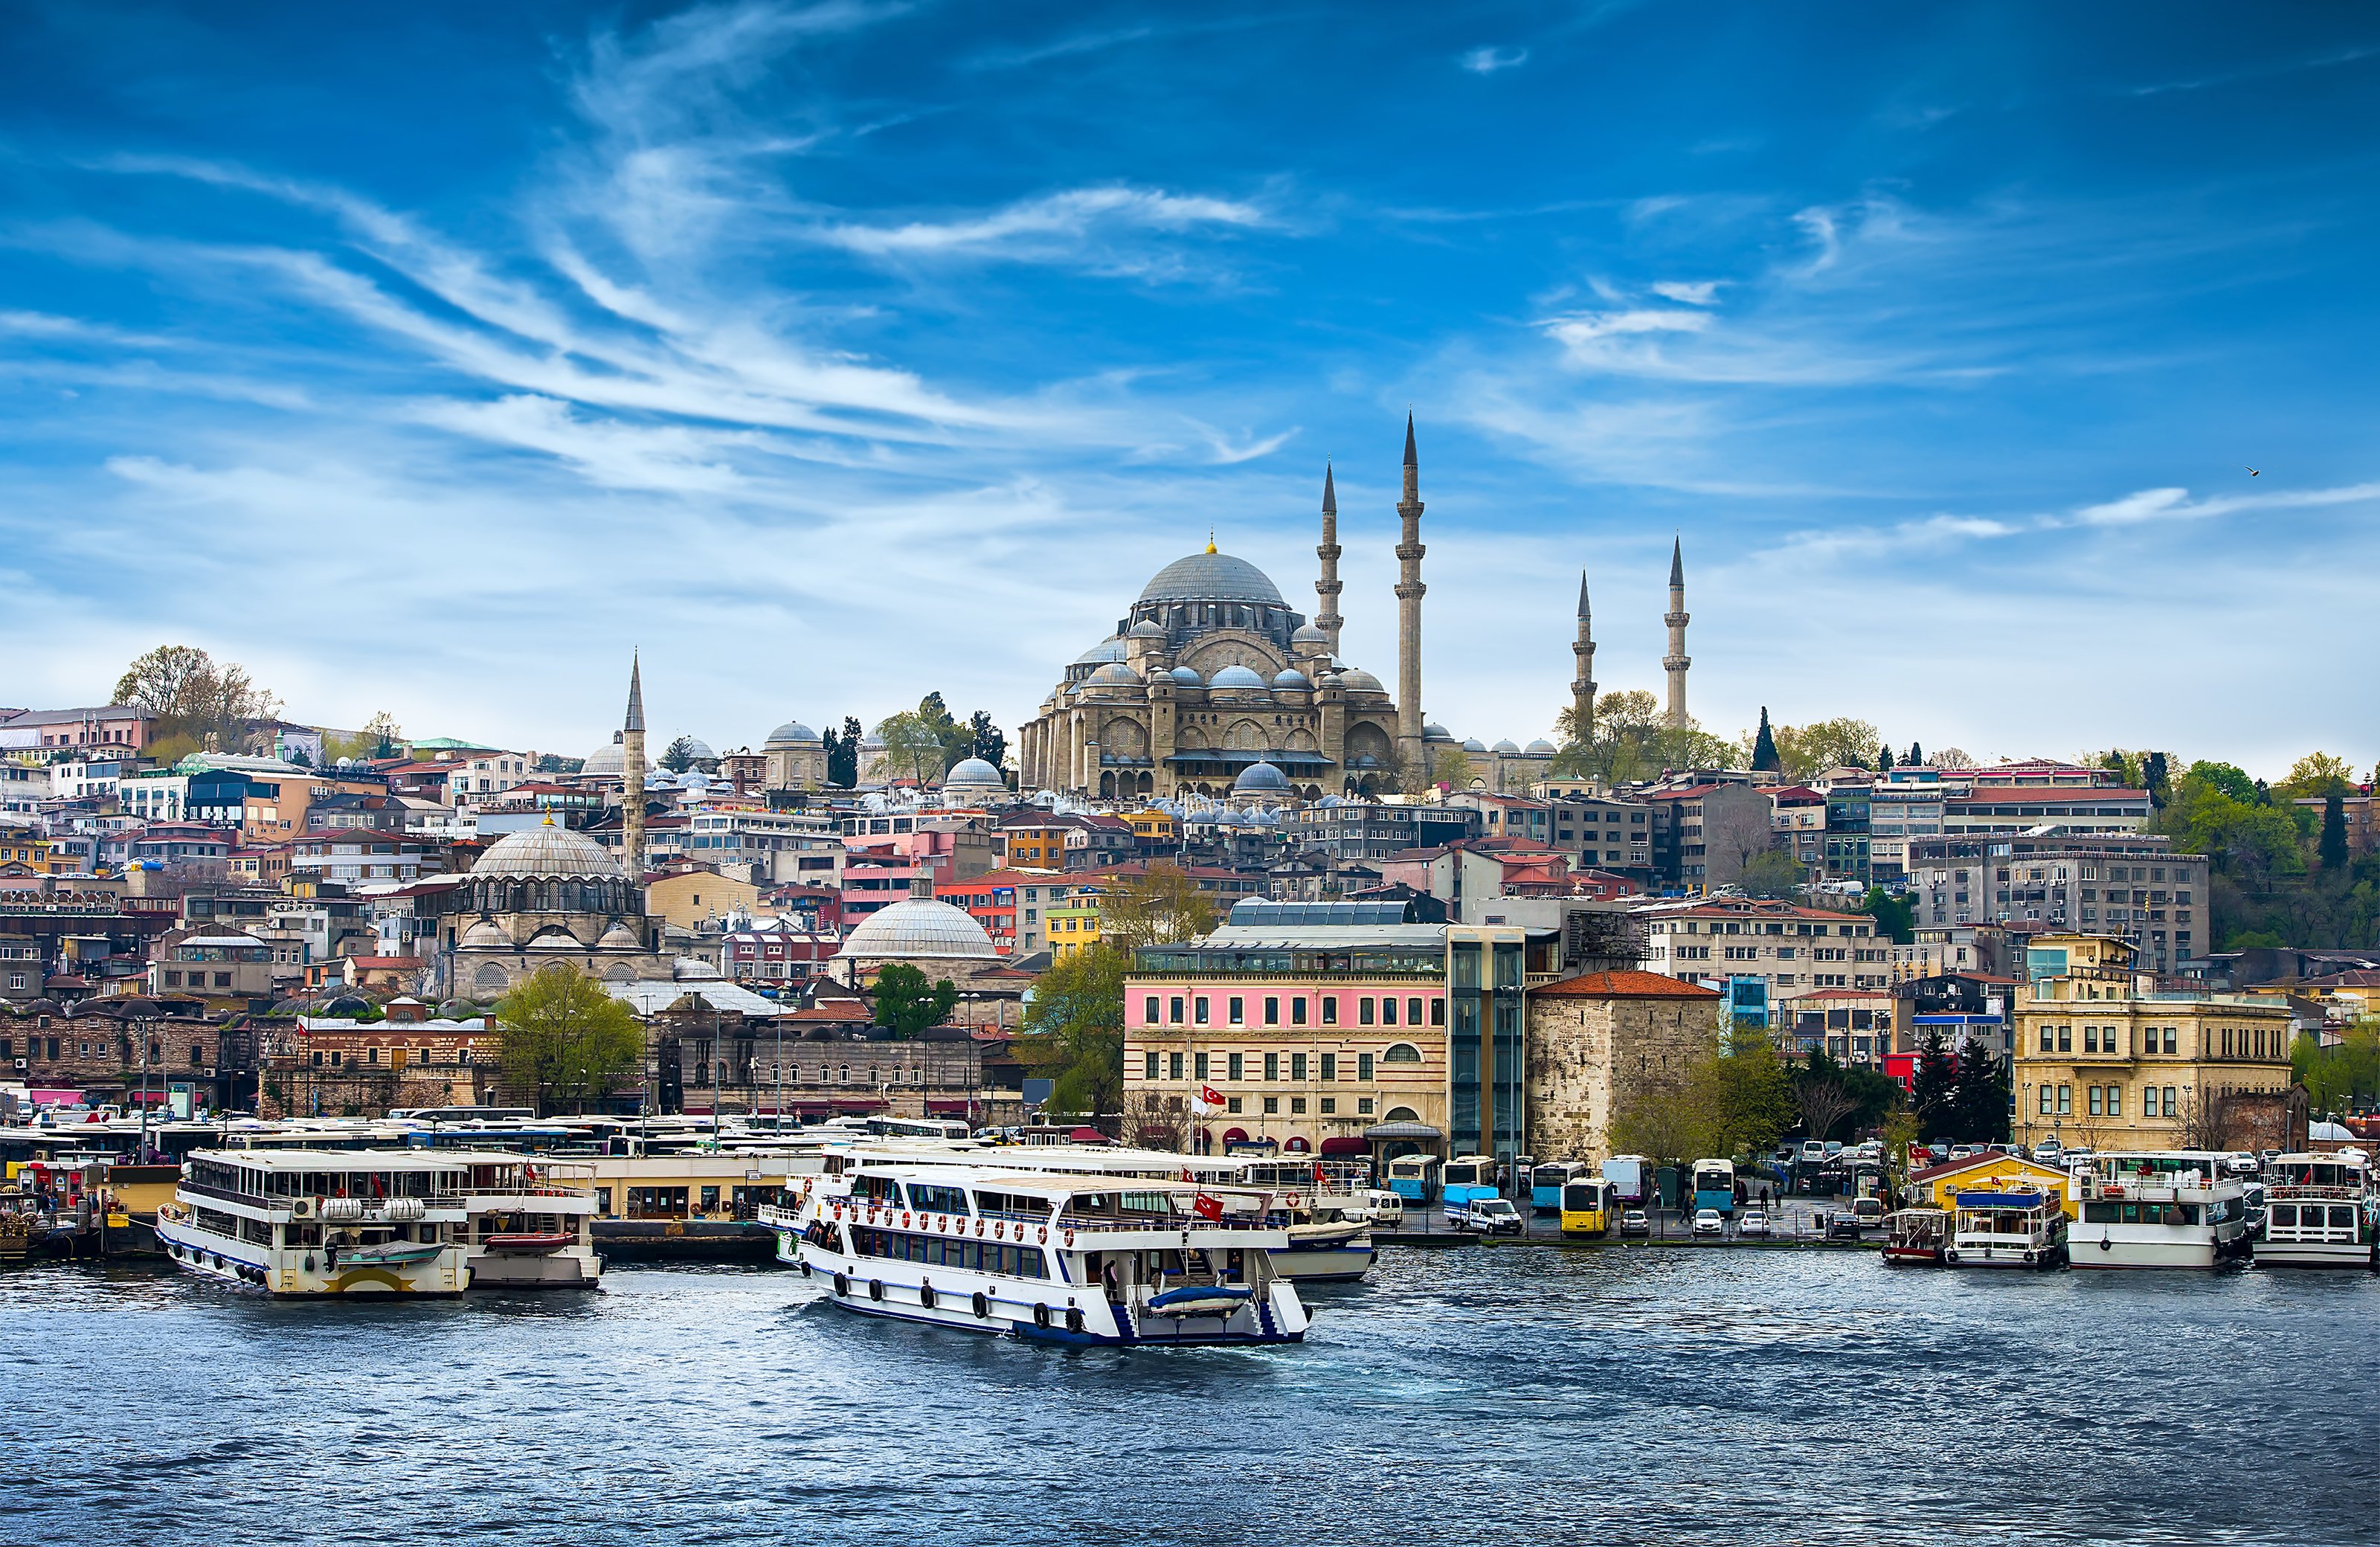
(2102, 1059)
(1155, 827)
(693, 897)
(1074, 924)
(1939, 1185)
(23, 852)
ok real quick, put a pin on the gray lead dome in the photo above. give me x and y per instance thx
(1211, 577)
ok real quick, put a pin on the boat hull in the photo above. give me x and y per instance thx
(2315, 1254)
(2005, 1254)
(1324, 1264)
(554, 1270)
(2100, 1247)
(285, 1271)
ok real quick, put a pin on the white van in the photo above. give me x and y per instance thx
(1383, 1208)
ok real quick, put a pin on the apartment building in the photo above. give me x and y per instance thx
(2131, 885)
(1759, 954)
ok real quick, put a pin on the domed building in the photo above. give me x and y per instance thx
(542, 895)
(974, 782)
(796, 756)
(934, 937)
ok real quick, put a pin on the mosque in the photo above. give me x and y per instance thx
(1212, 685)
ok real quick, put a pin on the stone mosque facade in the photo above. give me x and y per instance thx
(1212, 685)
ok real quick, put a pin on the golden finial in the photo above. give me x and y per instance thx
(1211, 540)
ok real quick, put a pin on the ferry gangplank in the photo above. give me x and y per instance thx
(2319, 1212)
(1067, 1259)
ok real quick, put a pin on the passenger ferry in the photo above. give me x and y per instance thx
(345, 1221)
(1917, 1235)
(2007, 1230)
(2159, 1209)
(1068, 1259)
(1589, 1205)
(2318, 1213)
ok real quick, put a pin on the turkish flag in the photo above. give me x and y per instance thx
(1210, 1098)
(1208, 1208)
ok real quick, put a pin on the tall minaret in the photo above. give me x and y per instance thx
(1328, 588)
(632, 775)
(1409, 594)
(1676, 662)
(1582, 688)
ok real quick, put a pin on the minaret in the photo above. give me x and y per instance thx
(1328, 588)
(1582, 688)
(632, 775)
(1409, 594)
(1676, 662)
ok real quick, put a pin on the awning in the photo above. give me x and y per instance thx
(1421, 1132)
(1087, 1135)
(946, 1109)
(1236, 1136)
(1345, 1144)
(1295, 1144)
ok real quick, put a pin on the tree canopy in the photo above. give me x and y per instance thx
(1632, 740)
(193, 695)
(1158, 908)
(1074, 1030)
(907, 1004)
(564, 1039)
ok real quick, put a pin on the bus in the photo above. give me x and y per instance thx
(1627, 1173)
(1715, 1185)
(1467, 1178)
(1546, 1183)
(1414, 1177)
(1588, 1204)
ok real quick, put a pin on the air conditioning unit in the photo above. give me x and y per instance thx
(301, 1208)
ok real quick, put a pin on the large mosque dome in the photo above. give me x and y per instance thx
(918, 927)
(547, 854)
(1212, 576)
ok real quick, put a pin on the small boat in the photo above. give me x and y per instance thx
(2318, 1213)
(2008, 1230)
(534, 1243)
(391, 1254)
(1917, 1235)
(2161, 1209)
(1201, 1299)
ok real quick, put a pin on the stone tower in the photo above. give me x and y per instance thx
(1328, 588)
(1677, 660)
(1582, 688)
(632, 775)
(1409, 594)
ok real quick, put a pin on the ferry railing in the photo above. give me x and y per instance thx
(1069, 1221)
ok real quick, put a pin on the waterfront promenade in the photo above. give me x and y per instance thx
(1508, 1396)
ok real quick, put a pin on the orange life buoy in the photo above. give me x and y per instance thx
(1045, 1233)
(904, 1221)
(1070, 1237)
(978, 1227)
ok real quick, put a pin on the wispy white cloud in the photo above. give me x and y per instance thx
(1077, 225)
(1488, 60)
(1701, 292)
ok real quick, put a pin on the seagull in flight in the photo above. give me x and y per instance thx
(2254, 472)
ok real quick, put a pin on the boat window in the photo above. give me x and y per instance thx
(2285, 1215)
(938, 1199)
(2342, 1218)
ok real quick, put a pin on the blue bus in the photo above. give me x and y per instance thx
(1414, 1177)
(1715, 1185)
(1546, 1183)
(1466, 1179)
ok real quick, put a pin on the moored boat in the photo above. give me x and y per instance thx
(2012, 1229)
(320, 1221)
(1917, 1235)
(2159, 1209)
(530, 1223)
(2318, 1213)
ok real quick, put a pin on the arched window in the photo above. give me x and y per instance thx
(1401, 1115)
(1402, 1053)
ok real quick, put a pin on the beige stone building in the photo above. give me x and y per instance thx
(1602, 1040)
(2104, 1059)
(691, 898)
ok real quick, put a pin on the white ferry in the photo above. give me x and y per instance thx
(358, 1222)
(2013, 1229)
(1065, 1259)
(1321, 1205)
(2158, 1209)
(2318, 1213)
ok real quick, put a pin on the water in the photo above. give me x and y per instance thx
(1519, 1395)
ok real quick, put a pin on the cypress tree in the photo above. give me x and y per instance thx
(1763, 749)
(2333, 849)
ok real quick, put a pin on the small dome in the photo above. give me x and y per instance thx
(1100, 653)
(1235, 676)
(1357, 680)
(619, 938)
(485, 936)
(1541, 748)
(1212, 576)
(793, 733)
(917, 927)
(1434, 732)
(974, 771)
(548, 854)
(1189, 677)
(1474, 744)
(1291, 678)
(1308, 633)
(872, 740)
(693, 969)
(556, 939)
(1146, 629)
(1260, 778)
(1508, 747)
(1115, 674)
(698, 750)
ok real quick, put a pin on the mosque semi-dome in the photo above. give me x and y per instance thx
(1187, 675)
(1212, 576)
(1101, 653)
(1308, 633)
(1147, 628)
(1234, 677)
(1355, 679)
(547, 854)
(917, 927)
(1116, 674)
(1291, 678)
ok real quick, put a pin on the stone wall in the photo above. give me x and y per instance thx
(1588, 1057)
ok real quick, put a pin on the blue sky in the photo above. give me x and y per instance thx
(426, 360)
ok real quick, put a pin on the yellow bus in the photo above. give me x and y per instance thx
(1588, 1205)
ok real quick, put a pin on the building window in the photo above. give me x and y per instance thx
(2172, 1109)
(1297, 1067)
(1238, 1009)
(1174, 1061)
(1436, 1013)
(1363, 1067)
(1199, 1064)
(1362, 1106)
(2115, 1101)
(1363, 1010)
(2149, 1101)
(1148, 1007)
(1271, 1106)
(2066, 1039)
(1272, 1012)
(1297, 1106)
(1330, 1105)
(1198, 1009)
(2066, 1101)
(2048, 1093)
(1402, 1052)
(1234, 1067)
(1272, 1066)
(1329, 1009)
(1297, 1012)
(1232, 1103)
(1329, 1066)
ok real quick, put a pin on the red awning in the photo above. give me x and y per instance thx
(1236, 1136)
(946, 1109)
(1295, 1145)
(1087, 1135)
(1346, 1144)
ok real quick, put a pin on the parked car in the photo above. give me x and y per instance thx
(2049, 1152)
(1868, 1211)
(1754, 1222)
(1486, 1216)
(1843, 1226)
(1707, 1221)
(1813, 1151)
(1636, 1222)
(2243, 1165)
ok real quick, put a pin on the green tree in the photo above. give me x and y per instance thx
(1764, 746)
(1772, 873)
(564, 1039)
(955, 738)
(986, 739)
(2333, 849)
(1934, 1090)
(1893, 914)
(843, 754)
(1883, 758)
(1632, 740)
(911, 747)
(2224, 777)
(192, 694)
(1160, 906)
(1916, 758)
(1074, 1030)
(1979, 1096)
(1667, 1123)
(907, 1004)
(2318, 773)
(678, 756)
(1746, 1098)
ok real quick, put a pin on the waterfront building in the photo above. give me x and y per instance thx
(2105, 1059)
(1602, 1041)
(101, 1051)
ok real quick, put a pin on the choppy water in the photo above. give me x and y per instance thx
(1512, 1396)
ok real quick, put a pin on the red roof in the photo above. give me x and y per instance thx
(1626, 985)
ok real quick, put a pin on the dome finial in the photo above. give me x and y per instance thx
(1211, 539)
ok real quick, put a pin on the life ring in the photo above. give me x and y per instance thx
(905, 1222)
(1070, 1237)
(2104, 1243)
(926, 1296)
(1041, 1316)
(978, 1227)
(982, 1304)
(1950, 1256)
(842, 1286)
(875, 1288)
(1045, 1235)
(2028, 1257)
